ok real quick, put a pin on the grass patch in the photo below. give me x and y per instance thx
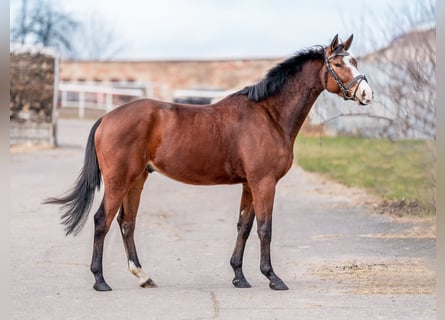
(398, 172)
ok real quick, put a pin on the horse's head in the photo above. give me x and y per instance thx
(340, 74)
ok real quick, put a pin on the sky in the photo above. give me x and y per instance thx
(220, 29)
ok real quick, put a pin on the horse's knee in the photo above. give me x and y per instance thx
(265, 231)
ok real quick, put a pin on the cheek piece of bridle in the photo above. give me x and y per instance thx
(344, 88)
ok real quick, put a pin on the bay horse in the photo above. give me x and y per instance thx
(246, 138)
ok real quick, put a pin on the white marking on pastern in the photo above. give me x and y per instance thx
(138, 272)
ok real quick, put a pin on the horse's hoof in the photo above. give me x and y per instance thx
(102, 286)
(241, 283)
(278, 285)
(149, 284)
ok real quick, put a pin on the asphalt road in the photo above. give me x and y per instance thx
(339, 260)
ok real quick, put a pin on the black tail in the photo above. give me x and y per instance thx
(77, 203)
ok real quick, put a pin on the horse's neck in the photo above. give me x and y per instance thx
(294, 101)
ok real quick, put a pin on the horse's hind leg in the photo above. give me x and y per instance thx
(244, 226)
(102, 221)
(113, 198)
(127, 223)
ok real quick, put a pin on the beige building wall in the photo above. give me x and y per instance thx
(162, 78)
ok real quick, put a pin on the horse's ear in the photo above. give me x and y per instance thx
(334, 43)
(347, 43)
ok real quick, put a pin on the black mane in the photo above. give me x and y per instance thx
(276, 77)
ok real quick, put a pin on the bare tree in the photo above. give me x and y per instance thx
(41, 23)
(97, 39)
(406, 81)
(407, 71)
(399, 58)
(21, 30)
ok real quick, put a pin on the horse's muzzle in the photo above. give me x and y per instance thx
(364, 94)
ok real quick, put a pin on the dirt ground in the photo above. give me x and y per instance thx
(386, 276)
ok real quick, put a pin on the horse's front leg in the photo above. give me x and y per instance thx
(263, 194)
(244, 226)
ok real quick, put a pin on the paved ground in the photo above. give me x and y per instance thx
(339, 260)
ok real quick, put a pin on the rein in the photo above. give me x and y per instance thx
(344, 88)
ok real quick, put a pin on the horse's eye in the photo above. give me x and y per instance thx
(338, 65)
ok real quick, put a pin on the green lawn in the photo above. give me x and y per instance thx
(396, 171)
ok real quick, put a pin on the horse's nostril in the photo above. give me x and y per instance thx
(363, 93)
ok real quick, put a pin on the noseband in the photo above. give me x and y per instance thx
(344, 88)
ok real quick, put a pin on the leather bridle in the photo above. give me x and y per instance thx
(345, 88)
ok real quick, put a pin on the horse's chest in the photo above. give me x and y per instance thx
(271, 159)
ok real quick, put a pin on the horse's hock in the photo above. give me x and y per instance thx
(33, 76)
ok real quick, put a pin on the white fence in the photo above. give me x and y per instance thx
(87, 96)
